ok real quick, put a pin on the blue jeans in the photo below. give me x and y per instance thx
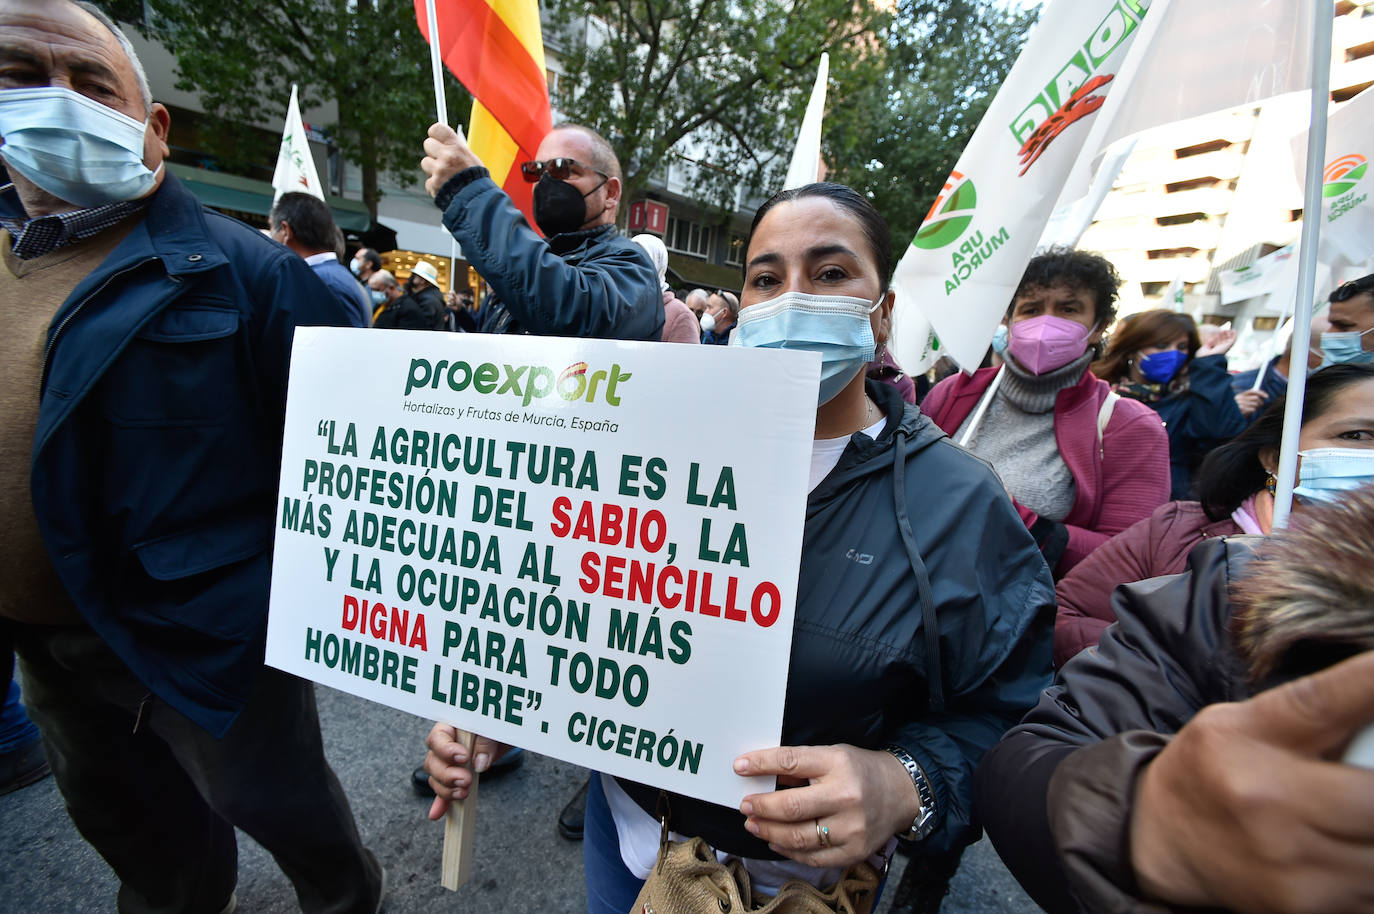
(611, 887)
(15, 727)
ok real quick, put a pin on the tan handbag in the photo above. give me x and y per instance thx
(687, 879)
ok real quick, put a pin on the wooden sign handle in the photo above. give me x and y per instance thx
(458, 828)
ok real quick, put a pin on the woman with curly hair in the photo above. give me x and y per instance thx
(1081, 463)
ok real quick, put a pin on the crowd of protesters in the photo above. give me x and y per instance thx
(1094, 644)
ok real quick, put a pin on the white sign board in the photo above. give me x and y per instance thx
(551, 542)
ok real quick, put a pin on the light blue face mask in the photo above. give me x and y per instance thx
(1001, 339)
(73, 147)
(1345, 348)
(1326, 472)
(378, 298)
(836, 326)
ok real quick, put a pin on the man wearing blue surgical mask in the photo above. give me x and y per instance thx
(142, 395)
(1352, 319)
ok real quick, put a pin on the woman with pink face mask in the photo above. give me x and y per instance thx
(1081, 463)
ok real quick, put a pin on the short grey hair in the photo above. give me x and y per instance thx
(698, 295)
(386, 278)
(142, 78)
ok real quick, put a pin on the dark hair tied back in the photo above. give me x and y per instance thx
(1233, 472)
(874, 227)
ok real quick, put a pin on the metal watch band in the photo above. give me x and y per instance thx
(924, 822)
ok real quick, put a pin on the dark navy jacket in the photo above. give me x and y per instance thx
(1199, 418)
(593, 283)
(347, 290)
(156, 455)
(1274, 384)
(874, 662)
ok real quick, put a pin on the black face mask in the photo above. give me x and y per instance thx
(558, 207)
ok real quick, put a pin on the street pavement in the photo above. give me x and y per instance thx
(521, 863)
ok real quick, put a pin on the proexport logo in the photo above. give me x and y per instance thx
(949, 215)
(526, 382)
(1343, 174)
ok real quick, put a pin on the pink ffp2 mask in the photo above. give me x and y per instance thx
(1045, 343)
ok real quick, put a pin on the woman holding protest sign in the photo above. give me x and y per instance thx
(915, 645)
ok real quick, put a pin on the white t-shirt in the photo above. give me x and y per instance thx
(637, 830)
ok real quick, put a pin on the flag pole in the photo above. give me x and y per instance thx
(436, 63)
(1307, 262)
(462, 814)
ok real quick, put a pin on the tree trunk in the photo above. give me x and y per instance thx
(368, 167)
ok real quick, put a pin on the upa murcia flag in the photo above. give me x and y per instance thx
(295, 165)
(1347, 230)
(1093, 72)
(955, 280)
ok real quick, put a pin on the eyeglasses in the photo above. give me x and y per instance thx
(1355, 287)
(560, 169)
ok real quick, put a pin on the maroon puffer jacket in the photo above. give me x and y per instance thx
(1149, 548)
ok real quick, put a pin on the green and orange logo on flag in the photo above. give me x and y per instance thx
(949, 215)
(1343, 174)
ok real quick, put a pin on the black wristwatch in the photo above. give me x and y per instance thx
(924, 823)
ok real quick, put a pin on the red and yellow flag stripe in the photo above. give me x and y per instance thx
(496, 49)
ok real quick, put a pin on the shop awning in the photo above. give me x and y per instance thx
(247, 195)
(697, 274)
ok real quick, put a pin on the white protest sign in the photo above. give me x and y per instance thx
(549, 542)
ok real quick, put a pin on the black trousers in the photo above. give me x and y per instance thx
(159, 797)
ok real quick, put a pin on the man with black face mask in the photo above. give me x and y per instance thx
(597, 284)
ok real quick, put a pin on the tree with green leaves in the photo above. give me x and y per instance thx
(366, 56)
(721, 81)
(897, 139)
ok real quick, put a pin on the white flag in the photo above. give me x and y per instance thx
(1347, 231)
(1087, 62)
(295, 165)
(1173, 295)
(806, 158)
(1259, 278)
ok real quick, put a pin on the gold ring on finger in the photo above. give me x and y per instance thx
(822, 833)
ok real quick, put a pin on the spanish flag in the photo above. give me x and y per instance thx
(496, 50)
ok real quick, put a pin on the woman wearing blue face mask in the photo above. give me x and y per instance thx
(924, 611)
(1156, 357)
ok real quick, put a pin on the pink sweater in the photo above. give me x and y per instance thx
(1117, 484)
(679, 323)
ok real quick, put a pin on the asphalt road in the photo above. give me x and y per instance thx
(521, 864)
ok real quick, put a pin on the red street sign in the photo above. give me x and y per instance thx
(649, 216)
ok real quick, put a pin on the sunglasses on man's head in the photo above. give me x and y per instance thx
(560, 169)
(1354, 287)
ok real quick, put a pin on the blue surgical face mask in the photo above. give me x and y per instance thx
(1345, 348)
(1001, 338)
(836, 326)
(1160, 367)
(1326, 472)
(355, 267)
(73, 147)
(378, 298)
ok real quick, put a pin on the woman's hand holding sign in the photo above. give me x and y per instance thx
(446, 763)
(851, 802)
